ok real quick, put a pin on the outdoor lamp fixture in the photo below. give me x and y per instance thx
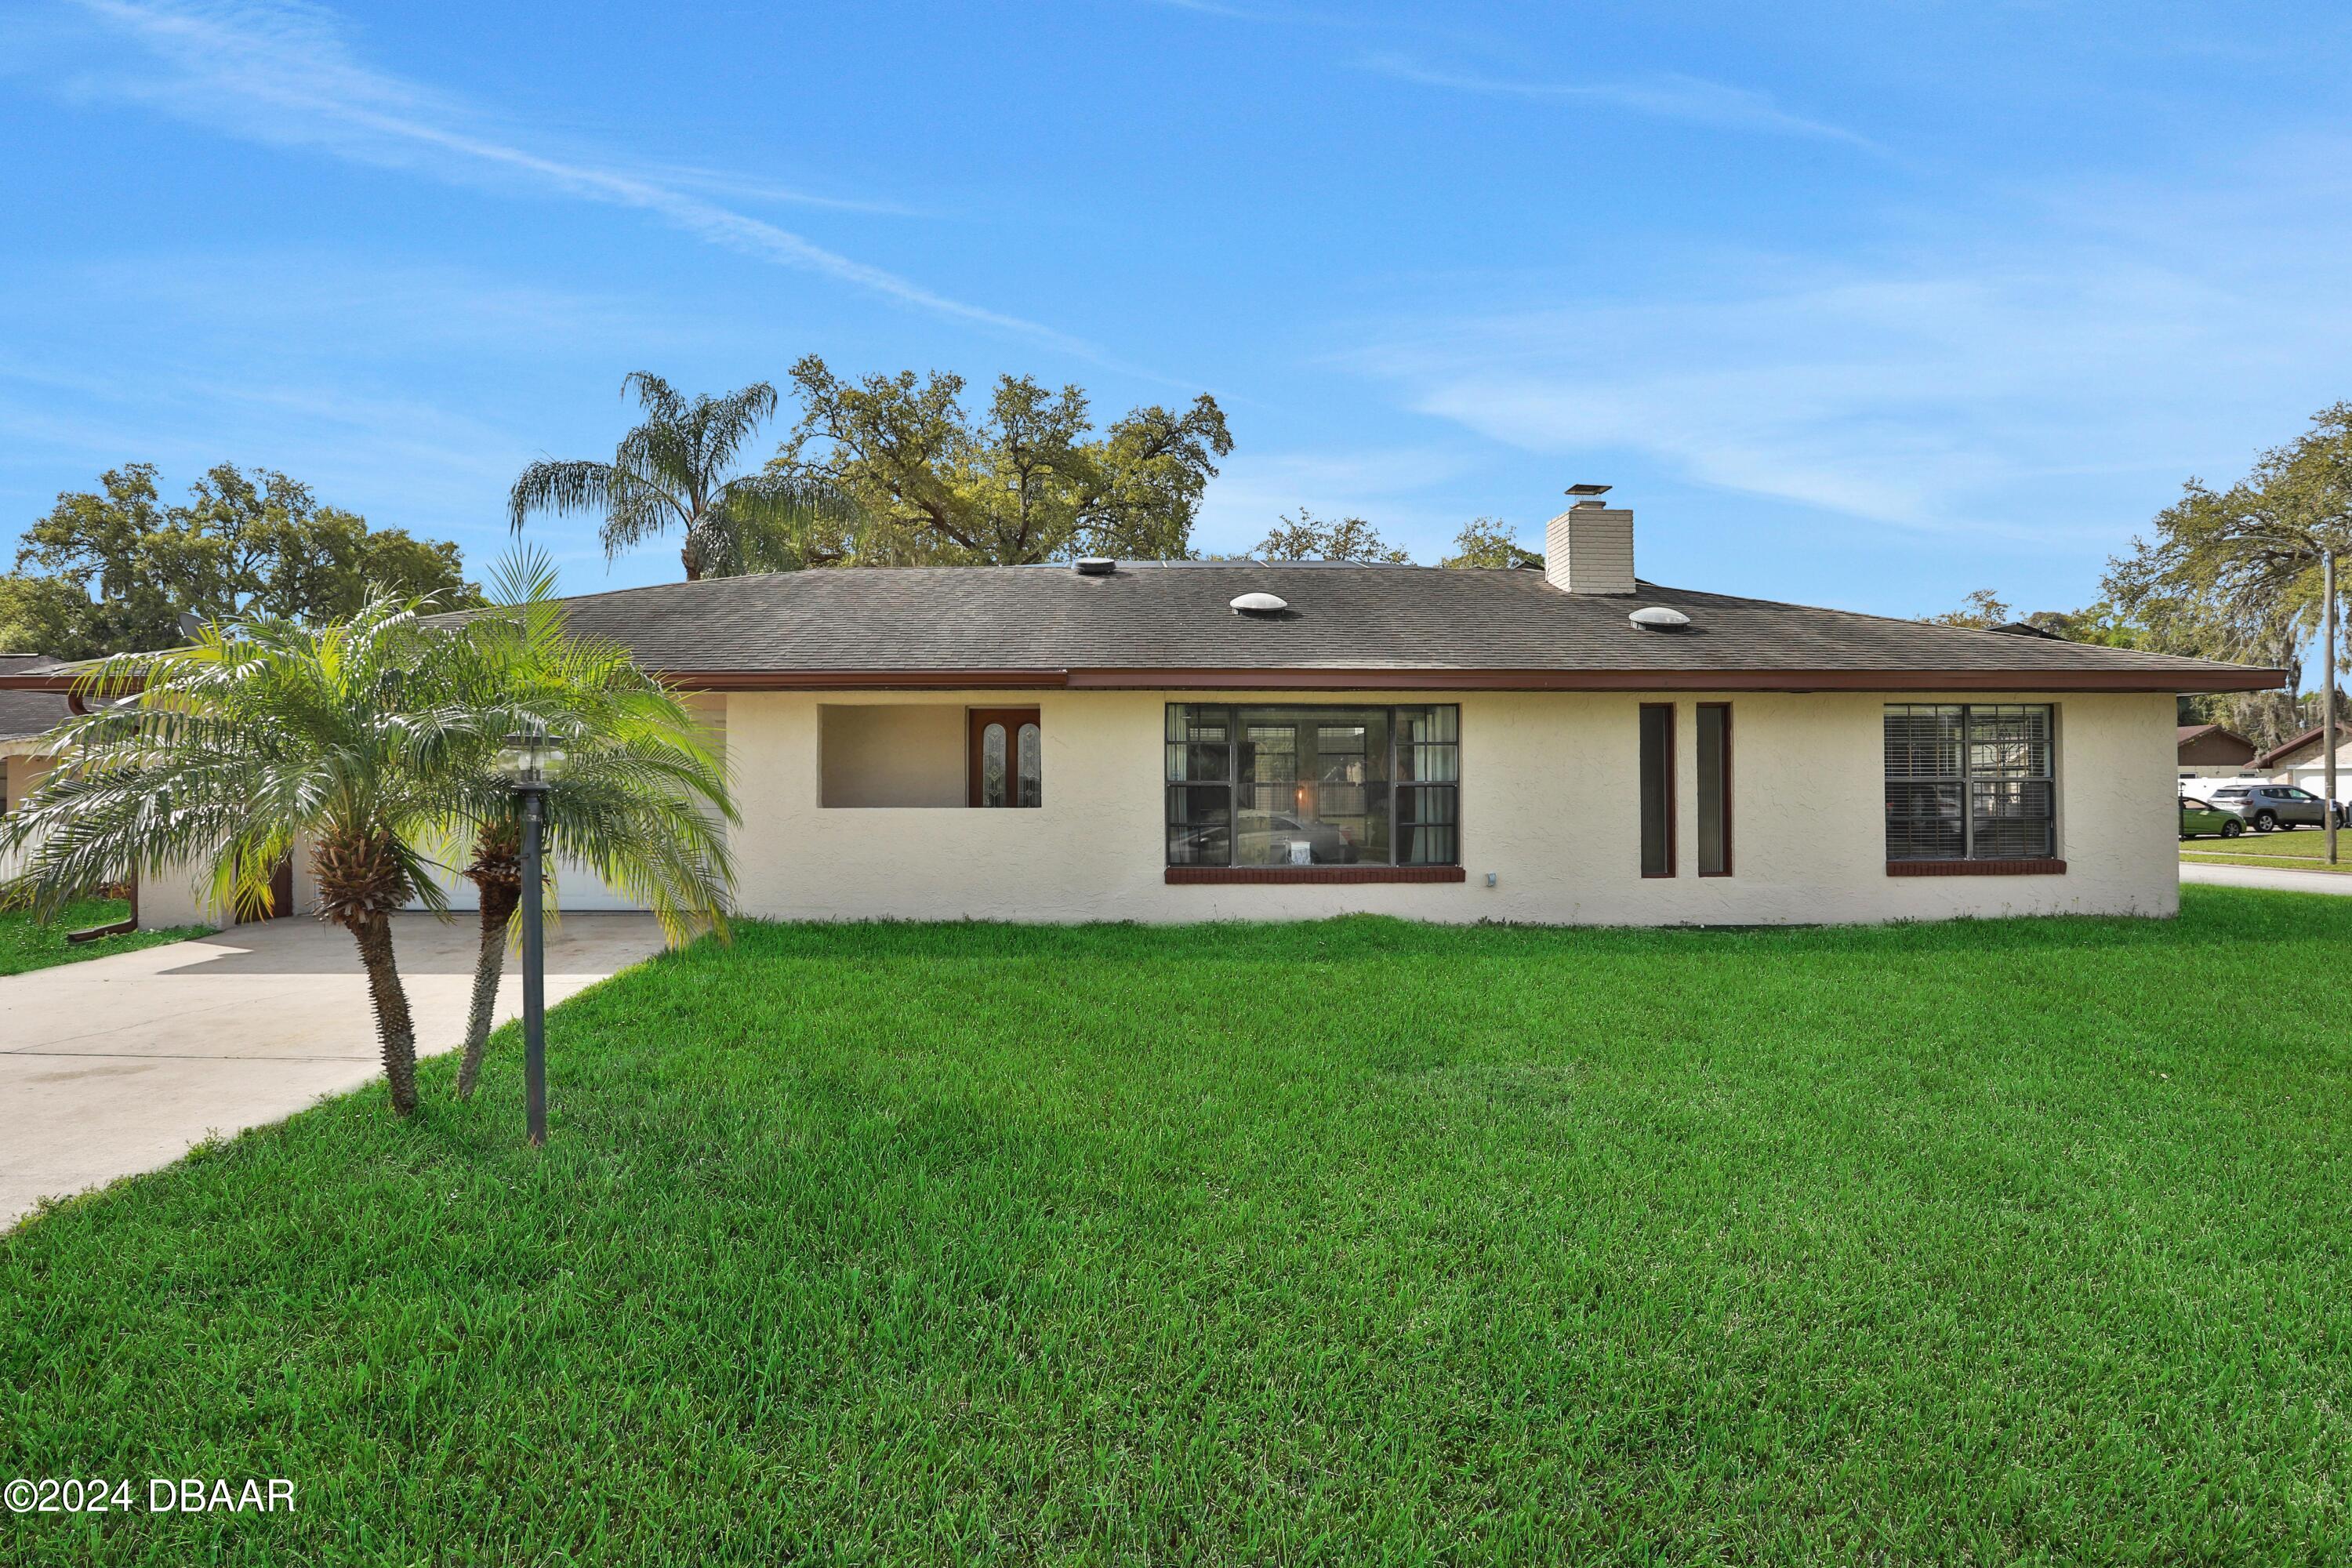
(524, 765)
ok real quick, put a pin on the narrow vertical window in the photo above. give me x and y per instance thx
(1658, 789)
(1714, 789)
(1030, 790)
(992, 766)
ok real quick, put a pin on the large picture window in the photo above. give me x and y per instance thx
(1313, 786)
(1970, 782)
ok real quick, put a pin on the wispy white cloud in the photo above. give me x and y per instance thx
(2048, 375)
(317, 302)
(283, 73)
(1665, 96)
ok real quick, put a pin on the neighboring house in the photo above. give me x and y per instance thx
(24, 718)
(2212, 751)
(1153, 741)
(2302, 759)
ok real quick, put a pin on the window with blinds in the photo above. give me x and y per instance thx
(1970, 782)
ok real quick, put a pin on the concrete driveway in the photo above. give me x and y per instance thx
(117, 1065)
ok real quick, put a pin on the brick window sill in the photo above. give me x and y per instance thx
(2046, 867)
(1227, 876)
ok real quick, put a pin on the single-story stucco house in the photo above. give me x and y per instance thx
(26, 720)
(1188, 740)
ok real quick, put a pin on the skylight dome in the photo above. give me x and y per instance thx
(1658, 619)
(1259, 604)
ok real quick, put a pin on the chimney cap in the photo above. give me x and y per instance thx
(1588, 489)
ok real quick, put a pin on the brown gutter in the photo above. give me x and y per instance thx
(862, 679)
(1161, 678)
(2213, 678)
(2220, 678)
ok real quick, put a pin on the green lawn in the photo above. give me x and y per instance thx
(2301, 849)
(28, 944)
(1343, 1243)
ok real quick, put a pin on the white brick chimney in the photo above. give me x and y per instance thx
(1589, 548)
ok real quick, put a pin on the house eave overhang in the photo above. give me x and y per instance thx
(2217, 678)
(2205, 678)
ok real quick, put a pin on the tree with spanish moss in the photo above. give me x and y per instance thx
(1307, 537)
(1028, 480)
(2238, 573)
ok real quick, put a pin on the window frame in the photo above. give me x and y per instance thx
(1722, 786)
(1968, 777)
(976, 722)
(1237, 718)
(1666, 792)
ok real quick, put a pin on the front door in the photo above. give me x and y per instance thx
(1005, 746)
(281, 895)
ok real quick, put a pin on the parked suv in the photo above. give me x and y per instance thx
(2265, 806)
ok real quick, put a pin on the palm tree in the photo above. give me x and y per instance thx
(671, 470)
(634, 801)
(350, 737)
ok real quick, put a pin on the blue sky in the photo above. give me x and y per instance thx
(1863, 304)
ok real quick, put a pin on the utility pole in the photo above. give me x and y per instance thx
(2327, 692)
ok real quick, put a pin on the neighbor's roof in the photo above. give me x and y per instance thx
(25, 714)
(2293, 744)
(2184, 734)
(1169, 625)
(1155, 624)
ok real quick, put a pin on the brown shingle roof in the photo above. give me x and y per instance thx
(2280, 753)
(1152, 623)
(1010, 621)
(23, 714)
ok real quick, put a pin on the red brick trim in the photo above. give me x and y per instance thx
(1194, 876)
(1975, 867)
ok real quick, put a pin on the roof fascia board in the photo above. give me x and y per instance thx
(2217, 678)
(2209, 677)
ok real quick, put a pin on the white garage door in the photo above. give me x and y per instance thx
(577, 889)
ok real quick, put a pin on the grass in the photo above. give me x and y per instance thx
(1353, 1242)
(27, 944)
(2299, 850)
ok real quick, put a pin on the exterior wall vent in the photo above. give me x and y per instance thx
(1259, 604)
(1094, 566)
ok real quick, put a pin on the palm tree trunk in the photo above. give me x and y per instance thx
(394, 1029)
(499, 899)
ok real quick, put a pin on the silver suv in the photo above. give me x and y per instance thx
(2265, 806)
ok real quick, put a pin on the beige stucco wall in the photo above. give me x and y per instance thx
(22, 768)
(892, 755)
(1548, 805)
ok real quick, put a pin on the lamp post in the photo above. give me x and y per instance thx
(524, 763)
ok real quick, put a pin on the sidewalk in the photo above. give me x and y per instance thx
(2279, 880)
